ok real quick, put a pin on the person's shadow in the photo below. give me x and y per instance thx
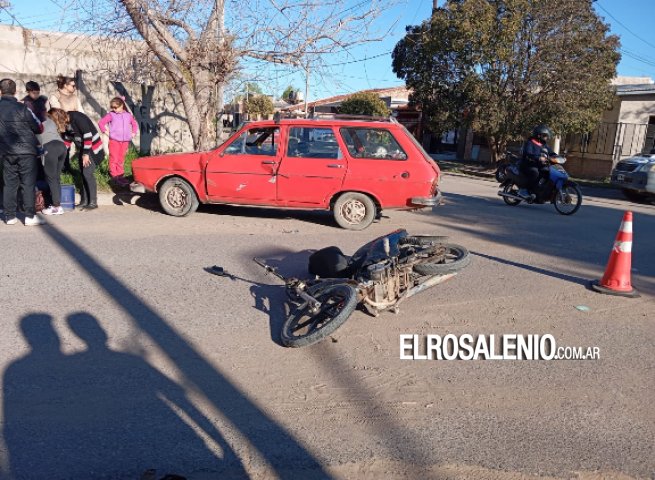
(101, 413)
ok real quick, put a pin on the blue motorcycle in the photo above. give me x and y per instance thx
(557, 189)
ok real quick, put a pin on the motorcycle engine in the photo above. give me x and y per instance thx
(382, 282)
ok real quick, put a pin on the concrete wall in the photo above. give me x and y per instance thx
(637, 108)
(101, 74)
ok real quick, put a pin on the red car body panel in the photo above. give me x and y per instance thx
(288, 181)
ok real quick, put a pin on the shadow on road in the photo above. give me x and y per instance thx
(542, 271)
(46, 382)
(90, 414)
(583, 240)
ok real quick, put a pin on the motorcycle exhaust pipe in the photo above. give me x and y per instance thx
(510, 195)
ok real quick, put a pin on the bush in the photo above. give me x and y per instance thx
(102, 172)
(364, 103)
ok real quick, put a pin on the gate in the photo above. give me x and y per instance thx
(612, 141)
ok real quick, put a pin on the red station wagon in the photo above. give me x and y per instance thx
(352, 167)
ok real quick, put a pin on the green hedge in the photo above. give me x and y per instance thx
(102, 172)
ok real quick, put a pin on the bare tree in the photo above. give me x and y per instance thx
(201, 44)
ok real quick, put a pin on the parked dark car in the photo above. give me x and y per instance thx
(636, 176)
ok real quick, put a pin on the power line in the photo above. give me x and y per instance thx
(623, 25)
(11, 15)
(359, 60)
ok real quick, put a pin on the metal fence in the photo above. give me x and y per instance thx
(612, 141)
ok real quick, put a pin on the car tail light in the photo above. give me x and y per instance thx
(435, 185)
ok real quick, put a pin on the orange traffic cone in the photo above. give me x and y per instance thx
(616, 280)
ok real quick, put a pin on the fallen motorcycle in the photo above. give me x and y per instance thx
(379, 276)
(564, 194)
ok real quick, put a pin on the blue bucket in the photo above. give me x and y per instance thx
(68, 197)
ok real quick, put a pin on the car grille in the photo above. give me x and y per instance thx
(626, 166)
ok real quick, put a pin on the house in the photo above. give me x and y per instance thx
(625, 130)
(396, 99)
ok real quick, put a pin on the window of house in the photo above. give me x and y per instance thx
(311, 142)
(256, 141)
(374, 143)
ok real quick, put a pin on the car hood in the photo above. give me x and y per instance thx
(640, 159)
(170, 161)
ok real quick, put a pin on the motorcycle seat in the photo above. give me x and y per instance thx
(329, 262)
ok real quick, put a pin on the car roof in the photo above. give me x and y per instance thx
(339, 121)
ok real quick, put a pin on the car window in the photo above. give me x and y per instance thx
(374, 143)
(256, 141)
(310, 142)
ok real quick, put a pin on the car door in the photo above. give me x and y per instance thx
(379, 165)
(313, 167)
(245, 171)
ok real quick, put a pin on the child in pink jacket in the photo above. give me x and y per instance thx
(121, 127)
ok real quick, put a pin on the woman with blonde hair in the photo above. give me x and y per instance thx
(81, 131)
(55, 156)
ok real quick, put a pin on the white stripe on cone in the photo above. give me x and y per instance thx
(623, 247)
(626, 227)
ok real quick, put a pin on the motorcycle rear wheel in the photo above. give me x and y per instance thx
(568, 199)
(513, 189)
(453, 260)
(304, 327)
(501, 173)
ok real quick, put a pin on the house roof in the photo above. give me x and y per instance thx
(394, 92)
(641, 89)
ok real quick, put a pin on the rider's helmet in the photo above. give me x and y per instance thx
(542, 133)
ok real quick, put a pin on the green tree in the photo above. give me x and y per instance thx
(503, 66)
(364, 103)
(286, 95)
(259, 105)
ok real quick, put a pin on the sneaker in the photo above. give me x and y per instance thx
(33, 221)
(52, 210)
(523, 193)
(11, 221)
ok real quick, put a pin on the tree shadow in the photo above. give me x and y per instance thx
(90, 414)
(283, 454)
(542, 271)
(583, 240)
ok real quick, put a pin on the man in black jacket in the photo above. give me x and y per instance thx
(18, 143)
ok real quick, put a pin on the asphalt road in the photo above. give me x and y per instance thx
(119, 353)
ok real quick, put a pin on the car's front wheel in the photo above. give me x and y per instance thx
(354, 211)
(177, 197)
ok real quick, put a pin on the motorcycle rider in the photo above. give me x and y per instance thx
(534, 163)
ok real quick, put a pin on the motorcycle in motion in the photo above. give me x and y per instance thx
(378, 276)
(556, 188)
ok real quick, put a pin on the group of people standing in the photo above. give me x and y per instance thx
(41, 127)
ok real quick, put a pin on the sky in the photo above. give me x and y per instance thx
(369, 66)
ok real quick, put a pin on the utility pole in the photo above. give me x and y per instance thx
(219, 5)
(306, 88)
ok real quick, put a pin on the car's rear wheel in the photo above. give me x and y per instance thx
(354, 211)
(633, 195)
(177, 197)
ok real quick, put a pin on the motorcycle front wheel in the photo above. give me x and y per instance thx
(452, 260)
(304, 327)
(568, 199)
